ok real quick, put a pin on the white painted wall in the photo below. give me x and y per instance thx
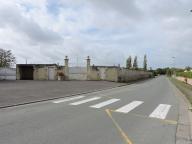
(7, 73)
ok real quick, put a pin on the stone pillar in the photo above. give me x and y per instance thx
(88, 64)
(66, 68)
(88, 67)
(18, 73)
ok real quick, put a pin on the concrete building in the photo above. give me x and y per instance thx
(50, 72)
(36, 71)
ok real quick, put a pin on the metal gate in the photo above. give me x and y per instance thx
(77, 73)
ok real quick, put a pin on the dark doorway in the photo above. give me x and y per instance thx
(26, 72)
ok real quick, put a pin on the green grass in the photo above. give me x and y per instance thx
(186, 89)
(185, 74)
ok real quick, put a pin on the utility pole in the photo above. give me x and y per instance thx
(174, 73)
(77, 62)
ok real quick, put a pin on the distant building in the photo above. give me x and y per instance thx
(36, 72)
(51, 71)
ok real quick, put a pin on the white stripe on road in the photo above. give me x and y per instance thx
(68, 99)
(85, 101)
(102, 104)
(161, 111)
(129, 107)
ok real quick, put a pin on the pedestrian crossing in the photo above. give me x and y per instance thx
(68, 99)
(85, 101)
(160, 112)
(129, 107)
(105, 103)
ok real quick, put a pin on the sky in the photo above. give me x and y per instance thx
(109, 31)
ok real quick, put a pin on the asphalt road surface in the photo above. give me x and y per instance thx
(24, 91)
(142, 113)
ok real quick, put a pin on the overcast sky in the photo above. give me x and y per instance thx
(44, 31)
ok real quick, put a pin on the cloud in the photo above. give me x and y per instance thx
(107, 30)
(12, 18)
(126, 7)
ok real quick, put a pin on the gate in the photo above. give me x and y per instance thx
(51, 73)
(77, 73)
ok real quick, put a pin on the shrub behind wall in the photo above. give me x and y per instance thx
(185, 74)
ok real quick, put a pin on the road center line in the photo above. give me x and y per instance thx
(105, 103)
(68, 99)
(129, 107)
(123, 134)
(85, 101)
(161, 111)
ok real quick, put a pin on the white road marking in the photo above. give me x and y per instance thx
(85, 101)
(68, 99)
(102, 104)
(129, 107)
(161, 111)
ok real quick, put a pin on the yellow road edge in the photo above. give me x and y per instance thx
(162, 120)
(123, 134)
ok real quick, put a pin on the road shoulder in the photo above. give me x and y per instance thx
(184, 127)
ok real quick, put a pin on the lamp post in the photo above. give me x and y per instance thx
(174, 73)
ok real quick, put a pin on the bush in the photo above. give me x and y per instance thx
(60, 74)
(185, 74)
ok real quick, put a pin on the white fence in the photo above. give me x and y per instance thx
(7, 73)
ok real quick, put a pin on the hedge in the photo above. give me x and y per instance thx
(185, 74)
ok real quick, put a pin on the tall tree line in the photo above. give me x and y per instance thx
(134, 64)
(145, 62)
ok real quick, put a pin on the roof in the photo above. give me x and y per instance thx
(36, 64)
(106, 66)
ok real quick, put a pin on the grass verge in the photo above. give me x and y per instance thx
(184, 88)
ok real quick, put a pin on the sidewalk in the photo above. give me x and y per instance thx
(186, 89)
(189, 80)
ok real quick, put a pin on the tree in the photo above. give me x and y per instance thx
(188, 68)
(162, 71)
(135, 64)
(129, 62)
(145, 63)
(7, 59)
(169, 72)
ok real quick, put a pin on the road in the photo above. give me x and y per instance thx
(141, 113)
(28, 91)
